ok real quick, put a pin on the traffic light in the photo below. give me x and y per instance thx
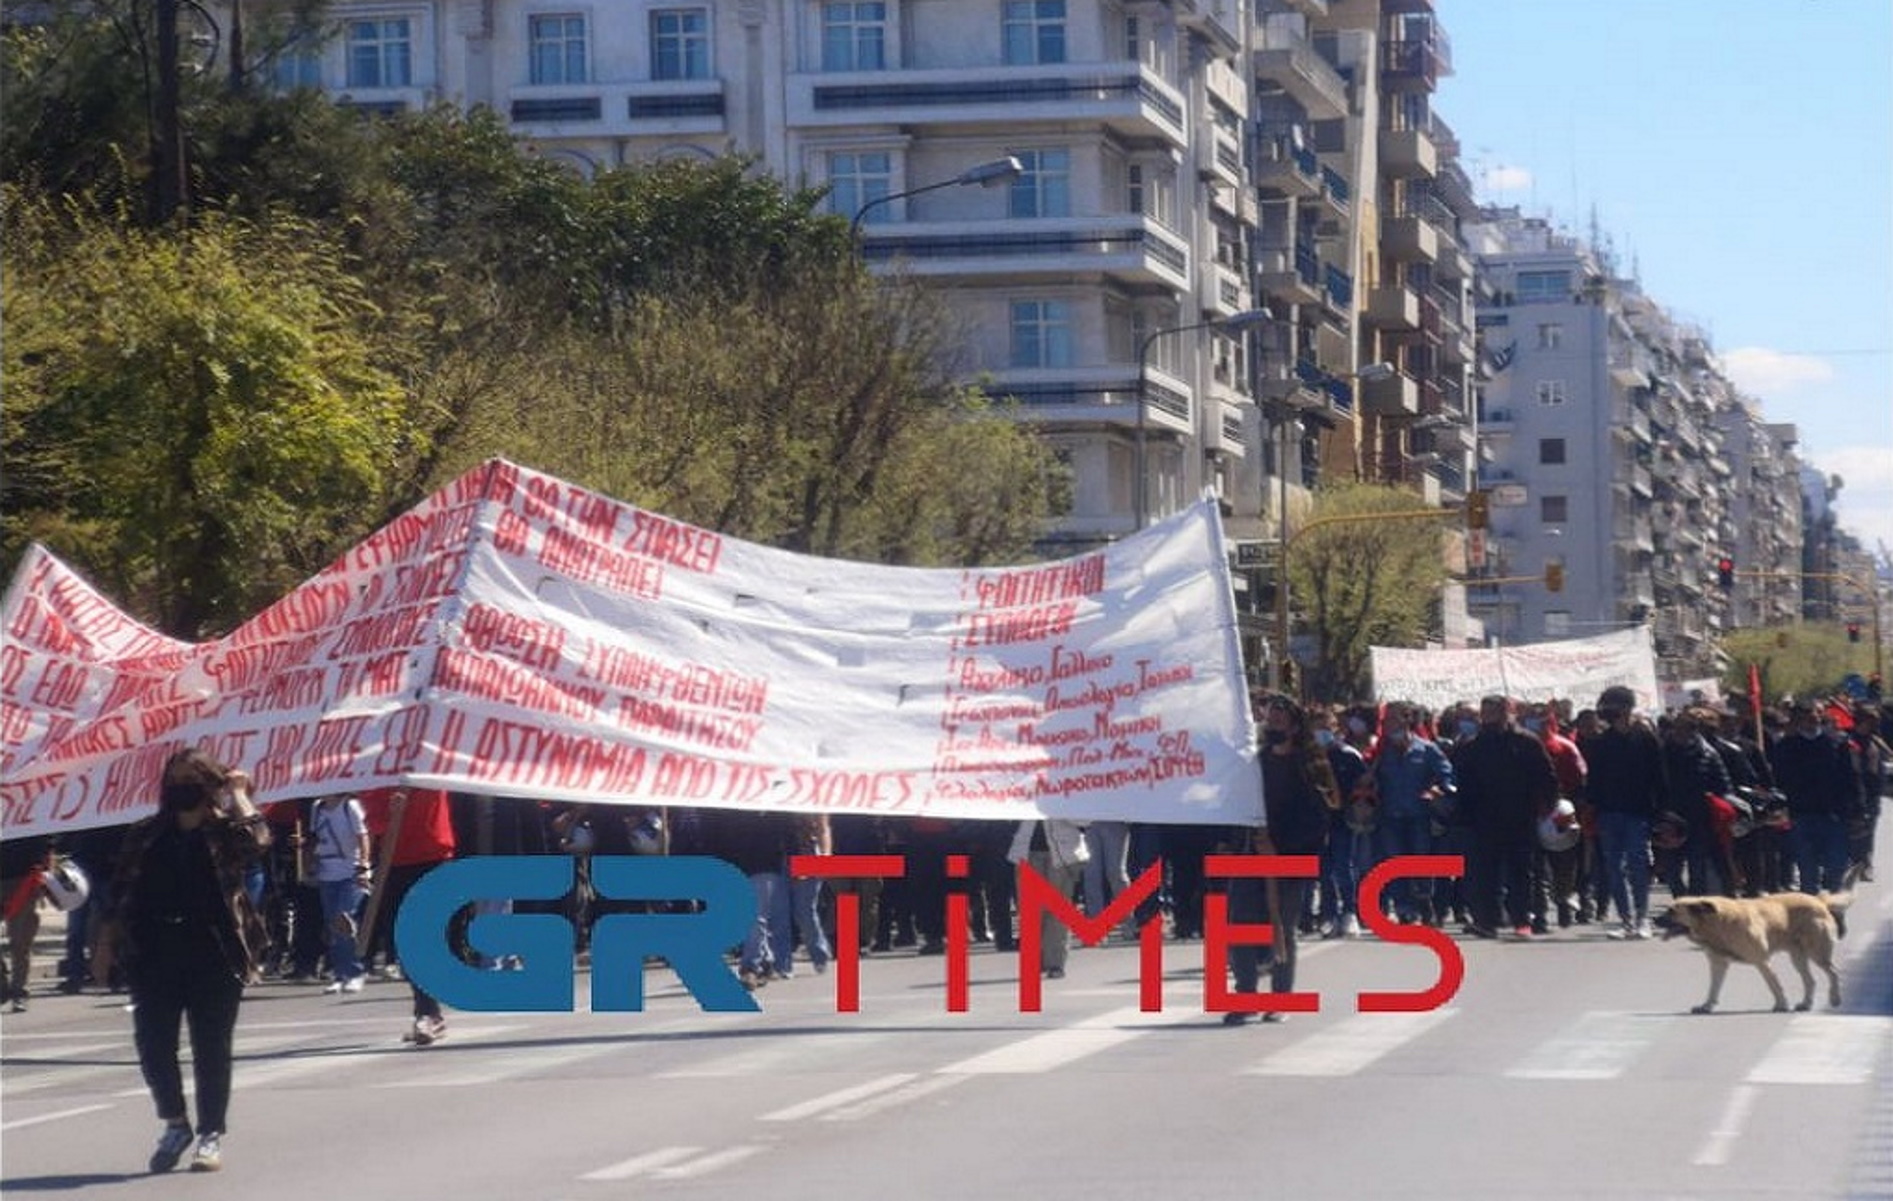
(1853, 631)
(1478, 509)
(1725, 573)
(1554, 577)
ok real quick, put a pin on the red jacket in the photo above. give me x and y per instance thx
(427, 833)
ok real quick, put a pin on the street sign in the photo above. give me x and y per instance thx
(1251, 555)
(1509, 496)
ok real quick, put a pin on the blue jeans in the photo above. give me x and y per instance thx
(1347, 858)
(1406, 835)
(339, 898)
(800, 903)
(1623, 852)
(1820, 851)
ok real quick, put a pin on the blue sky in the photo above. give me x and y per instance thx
(1742, 152)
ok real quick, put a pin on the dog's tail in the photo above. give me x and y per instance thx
(1837, 903)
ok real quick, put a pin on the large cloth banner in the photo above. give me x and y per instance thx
(517, 635)
(1577, 669)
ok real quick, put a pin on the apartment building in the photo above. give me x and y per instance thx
(1606, 433)
(1765, 506)
(1183, 165)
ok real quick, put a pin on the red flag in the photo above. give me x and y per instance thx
(1754, 688)
(1841, 715)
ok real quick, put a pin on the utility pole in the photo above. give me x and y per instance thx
(167, 124)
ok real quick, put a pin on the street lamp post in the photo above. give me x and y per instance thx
(985, 175)
(1367, 374)
(1235, 322)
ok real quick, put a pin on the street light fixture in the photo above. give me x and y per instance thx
(1235, 322)
(985, 175)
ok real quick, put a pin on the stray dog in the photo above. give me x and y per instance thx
(1752, 929)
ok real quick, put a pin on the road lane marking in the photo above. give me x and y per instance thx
(709, 1163)
(1056, 1048)
(13, 1084)
(1351, 1045)
(773, 1051)
(1599, 1045)
(899, 1096)
(838, 1098)
(637, 1165)
(1721, 1141)
(52, 1117)
(1824, 1049)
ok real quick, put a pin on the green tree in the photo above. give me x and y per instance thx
(1363, 583)
(195, 418)
(1804, 660)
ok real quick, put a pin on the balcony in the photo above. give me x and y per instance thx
(1398, 395)
(1394, 306)
(1415, 64)
(1219, 157)
(1335, 192)
(680, 108)
(1290, 273)
(1220, 290)
(1231, 428)
(1128, 247)
(1408, 240)
(1095, 395)
(1337, 288)
(1629, 422)
(1289, 61)
(1408, 153)
(1635, 532)
(1304, 387)
(1124, 97)
(1286, 171)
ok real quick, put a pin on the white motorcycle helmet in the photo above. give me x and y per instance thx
(66, 884)
(1559, 829)
(647, 837)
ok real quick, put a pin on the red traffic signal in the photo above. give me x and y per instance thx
(1725, 572)
(1853, 631)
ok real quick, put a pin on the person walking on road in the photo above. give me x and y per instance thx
(190, 940)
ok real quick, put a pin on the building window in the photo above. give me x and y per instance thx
(854, 37)
(558, 48)
(1134, 188)
(680, 43)
(1551, 451)
(298, 64)
(1554, 510)
(1041, 333)
(858, 178)
(1133, 40)
(1034, 32)
(1543, 287)
(1557, 623)
(1550, 391)
(380, 54)
(1043, 188)
(1550, 336)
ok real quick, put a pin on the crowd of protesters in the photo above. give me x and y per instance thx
(1560, 816)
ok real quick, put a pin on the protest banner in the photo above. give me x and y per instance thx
(1575, 669)
(517, 635)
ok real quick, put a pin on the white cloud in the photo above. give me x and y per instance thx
(1761, 371)
(1866, 500)
(1501, 178)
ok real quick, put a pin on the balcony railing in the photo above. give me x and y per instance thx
(1335, 184)
(1338, 285)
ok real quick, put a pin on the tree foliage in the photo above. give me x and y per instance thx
(1363, 583)
(352, 311)
(1802, 660)
(196, 417)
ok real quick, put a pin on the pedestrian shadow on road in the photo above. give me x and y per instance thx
(48, 1184)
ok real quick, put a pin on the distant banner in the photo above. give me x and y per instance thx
(517, 635)
(1578, 669)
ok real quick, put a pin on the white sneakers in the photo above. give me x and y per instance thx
(352, 984)
(209, 1155)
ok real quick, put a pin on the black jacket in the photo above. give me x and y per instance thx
(1817, 774)
(1506, 782)
(1626, 771)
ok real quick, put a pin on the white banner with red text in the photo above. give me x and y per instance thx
(1576, 669)
(517, 635)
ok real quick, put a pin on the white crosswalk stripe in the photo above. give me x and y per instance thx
(1597, 1046)
(1351, 1045)
(1824, 1049)
(1067, 1044)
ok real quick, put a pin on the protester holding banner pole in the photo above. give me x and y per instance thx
(191, 940)
(415, 831)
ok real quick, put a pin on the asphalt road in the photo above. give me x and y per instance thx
(1564, 1067)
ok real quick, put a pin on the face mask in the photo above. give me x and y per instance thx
(1325, 737)
(1468, 728)
(1535, 724)
(1356, 725)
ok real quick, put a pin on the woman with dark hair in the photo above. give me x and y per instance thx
(190, 941)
